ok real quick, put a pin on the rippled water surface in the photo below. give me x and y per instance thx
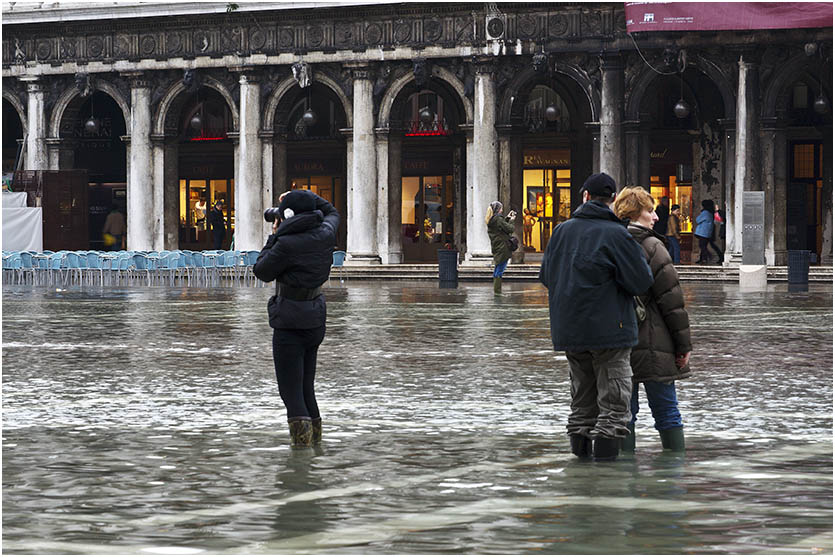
(148, 421)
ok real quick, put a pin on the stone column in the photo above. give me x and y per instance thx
(728, 126)
(611, 127)
(826, 197)
(593, 132)
(389, 204)
(142, 218)
(279, 173)
(769, 142)
(632, 133)
(36, 153)
(61, 152)
(468, 217)
(748, 164)
(362, 215)
(485, 164)
(248, 199)
(167, 191)
(267, 179)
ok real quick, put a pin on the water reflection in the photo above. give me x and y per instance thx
(148, 421)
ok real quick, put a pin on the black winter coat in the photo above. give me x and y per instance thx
(666, 330)
(593, 268)
(300, 255)
(216, 220)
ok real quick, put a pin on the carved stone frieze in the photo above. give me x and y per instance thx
(557, 25)
(373, 34)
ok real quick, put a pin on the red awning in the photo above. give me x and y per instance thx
(720, 16)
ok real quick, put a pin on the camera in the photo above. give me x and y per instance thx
(272, 214)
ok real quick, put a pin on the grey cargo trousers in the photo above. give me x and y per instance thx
(601, 390)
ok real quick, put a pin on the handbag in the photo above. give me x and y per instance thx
(513, 243)
(640, 310)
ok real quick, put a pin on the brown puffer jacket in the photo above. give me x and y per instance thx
(666, 330)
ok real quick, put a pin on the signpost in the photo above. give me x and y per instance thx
(753, 272)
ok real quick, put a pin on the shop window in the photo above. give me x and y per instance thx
(427, 215)
(323, 186)
(679, 194)
(197, 197)
(547, 202)
(804, 161)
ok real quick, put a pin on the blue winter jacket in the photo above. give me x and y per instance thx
(593, 268)
(704, 224)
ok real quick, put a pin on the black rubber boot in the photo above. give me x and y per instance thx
(317, 430)
(672, 439)
(301, 433)
(580, 445)
(497, 285)
(606, 448)
(627, 444)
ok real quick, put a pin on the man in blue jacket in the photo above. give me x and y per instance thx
(593, 268)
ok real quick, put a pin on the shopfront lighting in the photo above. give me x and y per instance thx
(426, 115)
(821, 105)
(92, 125)
(309, 117)
(552, 113)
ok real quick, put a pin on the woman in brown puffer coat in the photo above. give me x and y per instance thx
(663, 351)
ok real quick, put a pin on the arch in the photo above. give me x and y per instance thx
(172, 97)
(790, 71)
(71, 93)
(439, 72)
(18, 106)
(525, 78)
(285, 86)
(707, 67)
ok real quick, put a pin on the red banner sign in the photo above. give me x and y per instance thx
(721, 16)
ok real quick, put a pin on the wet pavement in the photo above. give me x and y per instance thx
(147, 421)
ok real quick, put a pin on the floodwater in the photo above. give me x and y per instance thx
(148, 421)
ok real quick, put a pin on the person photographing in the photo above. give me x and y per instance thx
(298, 256)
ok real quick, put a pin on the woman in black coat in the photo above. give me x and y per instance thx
(298, 255)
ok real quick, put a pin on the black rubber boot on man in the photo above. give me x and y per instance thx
(627, 444)
(672, 439)
(301, 433)
(317, 430)
(497, 285)
(606, 448)
(580, 445)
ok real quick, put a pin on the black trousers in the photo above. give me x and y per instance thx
(294, 354)
(217, 238)
(704, 255)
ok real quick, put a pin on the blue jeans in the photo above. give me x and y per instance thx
(662, 402)
(674, 248)
(499, 270)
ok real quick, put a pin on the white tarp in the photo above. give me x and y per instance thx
(14, 199)
(23, 229)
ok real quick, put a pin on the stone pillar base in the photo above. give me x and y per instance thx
(753, 277)
(393, 258)
(477, 260)
(732, 259)
(361, 259)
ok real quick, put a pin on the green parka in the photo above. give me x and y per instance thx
(666, 330)
(499, 230)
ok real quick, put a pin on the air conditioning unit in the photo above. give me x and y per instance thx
(494, 26)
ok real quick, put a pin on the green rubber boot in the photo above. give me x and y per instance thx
(301, 433)
(627, 444)
(673, 439)
(497, 285)
(317, 430)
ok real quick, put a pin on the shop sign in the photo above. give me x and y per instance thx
(547, 158)
(658, 154)
(307, 167)
(422, 167)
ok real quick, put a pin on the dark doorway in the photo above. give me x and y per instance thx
(804, 215)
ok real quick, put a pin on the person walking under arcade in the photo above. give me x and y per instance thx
(298, 256)
(593, 268)
(662, 354)
(499, 230)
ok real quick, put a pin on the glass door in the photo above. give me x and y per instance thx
(427, 221)
(547, 203)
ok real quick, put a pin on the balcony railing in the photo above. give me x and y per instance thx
(419, 128)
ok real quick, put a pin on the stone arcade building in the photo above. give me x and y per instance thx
(412, 118)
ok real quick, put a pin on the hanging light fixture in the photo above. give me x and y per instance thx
(821, 105)
(92, 125)
(681, 109)
(426, 115)
(552, 113)
(309, 116)
(196, 122)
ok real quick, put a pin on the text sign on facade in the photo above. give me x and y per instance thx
(753, 228)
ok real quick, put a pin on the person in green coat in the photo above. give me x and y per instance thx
(499, 229)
